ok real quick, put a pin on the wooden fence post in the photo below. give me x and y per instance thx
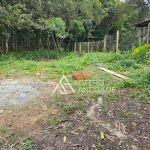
(91, 46)
(148, 34)
(105, 43)
(75, 47)
(117, 41)
(80, 47)
(88, 47)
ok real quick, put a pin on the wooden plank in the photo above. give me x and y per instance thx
(113, 73)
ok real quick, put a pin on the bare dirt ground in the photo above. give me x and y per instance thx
(24, 105)
(121, 117)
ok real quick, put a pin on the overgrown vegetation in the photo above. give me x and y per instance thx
(128, 64)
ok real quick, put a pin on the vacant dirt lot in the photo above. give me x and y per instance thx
(30, 110)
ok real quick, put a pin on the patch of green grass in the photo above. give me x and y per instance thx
(84, 131)
(5, 131)
(99, 145)
(68, 64)
(26, 144)
(25, 63)
(126, 115)
(70, 107)
(57, 120)
(104, 107)
(139, 79)
(137, 105)
(38, 55)
(127, 83)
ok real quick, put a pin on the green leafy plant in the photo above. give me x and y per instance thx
(141, 52)
(128, 63)
(5, 131)
(127, 83)
(26, 144)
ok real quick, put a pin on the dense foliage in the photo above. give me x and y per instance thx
(56, 24)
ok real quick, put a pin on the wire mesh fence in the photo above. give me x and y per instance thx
(89, 46)
(110, 43)
(129, 41)
(124, 42)
(133, 39)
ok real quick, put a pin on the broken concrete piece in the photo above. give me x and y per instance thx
(98, 65)
(134, 147)
(100, 101)
(1, 111)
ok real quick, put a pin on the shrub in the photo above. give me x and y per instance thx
(128, 63)
(141, 53)
(38, 55)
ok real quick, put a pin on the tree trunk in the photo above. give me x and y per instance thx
(16, 44)
(13, 42)
(29, 42)
(22, 43)
(6, 45)
(40, 43)
(2, 45)
(54, 41)
(40, 3)
(59, 42)
(48, 43)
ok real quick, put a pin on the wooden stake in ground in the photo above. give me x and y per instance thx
(88, 47)
(148, 34)
(117, 41)
(113, 73)
(80, 47)
(105, 40)
(75, 47)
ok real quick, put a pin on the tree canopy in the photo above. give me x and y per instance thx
(30, 24)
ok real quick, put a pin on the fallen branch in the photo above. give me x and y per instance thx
(120, 142)
(109, 138)
(120, 126)
(6, 136)
(74, 145)
(74, 132)
(144, 137)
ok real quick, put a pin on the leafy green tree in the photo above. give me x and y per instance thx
(29, 24)
(58, 27)
(77, 30)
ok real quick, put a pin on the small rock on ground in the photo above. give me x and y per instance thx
(1, 111)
